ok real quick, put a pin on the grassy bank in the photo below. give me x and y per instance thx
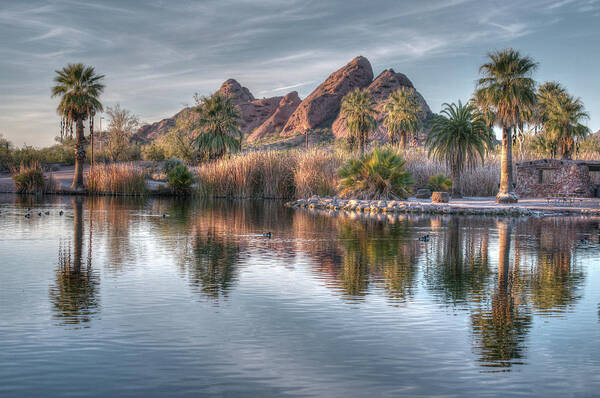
(300, 174)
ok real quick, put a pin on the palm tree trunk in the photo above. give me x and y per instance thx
(506, 193)
(79, 157)
(455, 181)
(361, 144)
(403, 140)
(504, 237)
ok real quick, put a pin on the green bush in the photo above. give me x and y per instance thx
(379, 174)
(180, 179)
(153, 152)
(30, 179)
(170, 164)
(439, 182)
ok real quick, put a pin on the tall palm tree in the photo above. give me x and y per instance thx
(358, 109)
(403, 115)
(460, 137)
(509, 90)
(561, 118)
(218, 123)
(79, 88)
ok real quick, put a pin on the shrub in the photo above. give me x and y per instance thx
(30, 179)
(379, 174)
(116, 179)
(170, 164)
(153, 152)
(439, 182)
(180, 179)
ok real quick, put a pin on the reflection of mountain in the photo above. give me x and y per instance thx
(75, 294)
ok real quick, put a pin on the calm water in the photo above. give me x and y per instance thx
(112, 299)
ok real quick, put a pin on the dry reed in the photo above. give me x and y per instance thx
(116, 179)
(301, 174)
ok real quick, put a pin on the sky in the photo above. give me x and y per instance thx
(156, 54)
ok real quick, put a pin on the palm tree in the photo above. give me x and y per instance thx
(403, 115)
(560, 117)
(509, 91)
(79, 89)
(218, 124)
(460, 137)
(357, 108)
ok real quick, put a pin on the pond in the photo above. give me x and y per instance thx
(112, 298)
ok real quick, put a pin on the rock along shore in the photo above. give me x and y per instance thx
(397, 206)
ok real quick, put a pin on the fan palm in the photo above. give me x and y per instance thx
(562, 124)
(79, 88)
(218, 123)
(403, 115)
(379, 174)
(508, 89)
(460, 137)
(357, 108)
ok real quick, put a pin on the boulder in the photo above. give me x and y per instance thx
(253, 112)
(322, 106)
(273, 125)
(380, 89)
(440, 197)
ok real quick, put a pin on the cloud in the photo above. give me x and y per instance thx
(156, 56)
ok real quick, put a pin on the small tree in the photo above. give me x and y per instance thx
(357, 107)
(460, 137)
(403, 115)
(507, 89)
(218, 125)
(122, 123)
(79, 89)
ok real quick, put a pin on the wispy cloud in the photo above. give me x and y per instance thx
(156, 56)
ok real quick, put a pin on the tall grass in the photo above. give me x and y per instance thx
(30, 178)
(301, 174)
(316, 172)
(483, 180)
(117, 179)
(254, 174)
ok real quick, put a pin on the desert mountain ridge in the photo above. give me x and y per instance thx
(289, 115)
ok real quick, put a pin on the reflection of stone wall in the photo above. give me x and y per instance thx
(541, 178)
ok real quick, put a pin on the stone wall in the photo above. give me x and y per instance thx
(541, 178)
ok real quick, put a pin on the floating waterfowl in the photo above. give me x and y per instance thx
(47, 213)
(424, 238)
(267, 235)
(40, 214)
(60, 213)
(27, 215)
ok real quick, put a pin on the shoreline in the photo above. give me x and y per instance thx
(465, 206)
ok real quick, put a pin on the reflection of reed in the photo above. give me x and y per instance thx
(74, 295)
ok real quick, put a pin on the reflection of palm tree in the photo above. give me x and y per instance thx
(461, 268)
(555, 278)
(380, 251)
(500, 333)
(74, 296)
(214, 266)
